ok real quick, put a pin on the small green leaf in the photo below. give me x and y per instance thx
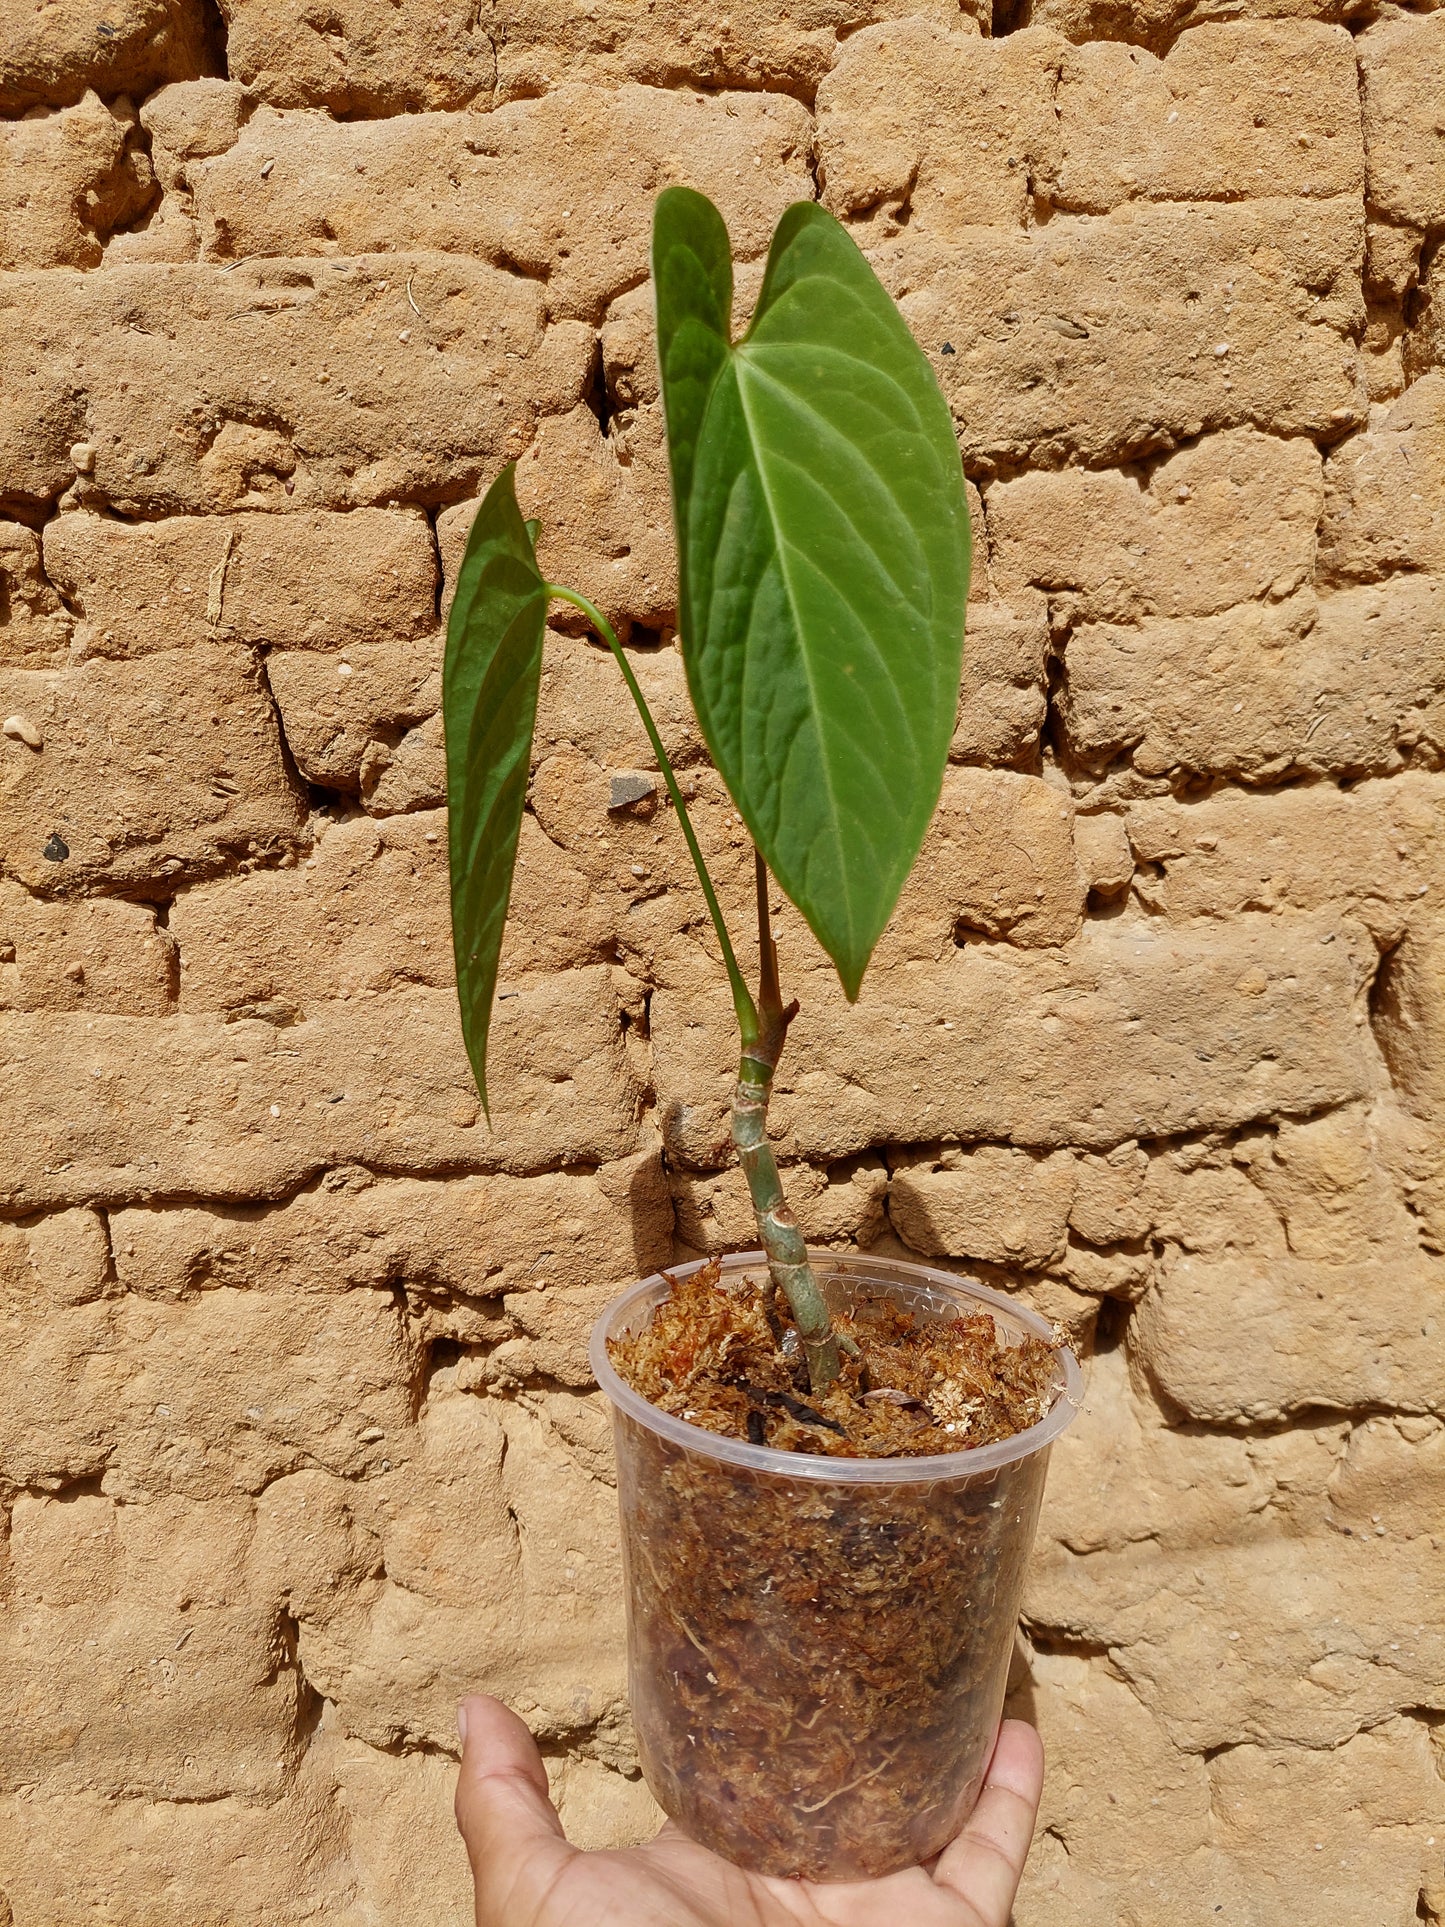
(489, 708)
(824, 557)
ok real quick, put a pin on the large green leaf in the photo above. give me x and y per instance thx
(489, 708)
(824, 552)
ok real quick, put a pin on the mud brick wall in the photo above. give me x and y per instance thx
(296, 1436)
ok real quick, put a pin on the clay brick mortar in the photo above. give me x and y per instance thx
(298, 1442)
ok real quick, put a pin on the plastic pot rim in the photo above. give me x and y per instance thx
(968, 1462)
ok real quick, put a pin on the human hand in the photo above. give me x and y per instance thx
(527, 1875)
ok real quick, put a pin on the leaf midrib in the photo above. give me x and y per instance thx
(835, 434)
(780, 549)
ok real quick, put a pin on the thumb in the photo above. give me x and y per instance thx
(983, 1865)
(513, 1836)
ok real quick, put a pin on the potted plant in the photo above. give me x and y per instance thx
(829, 1468)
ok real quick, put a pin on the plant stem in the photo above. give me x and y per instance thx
(777, 1227)
(764, 1029)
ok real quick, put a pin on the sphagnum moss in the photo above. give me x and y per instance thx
(817, 1665)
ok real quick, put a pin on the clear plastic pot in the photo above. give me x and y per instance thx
(818, 1647)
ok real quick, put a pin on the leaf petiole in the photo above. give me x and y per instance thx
(763, 1035)
(747, 1012)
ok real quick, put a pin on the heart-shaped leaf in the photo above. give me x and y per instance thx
(489, 708)
(824, 553)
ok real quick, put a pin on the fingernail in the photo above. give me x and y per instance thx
(462, 1723)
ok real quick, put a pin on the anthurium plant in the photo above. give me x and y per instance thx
(823, 555)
